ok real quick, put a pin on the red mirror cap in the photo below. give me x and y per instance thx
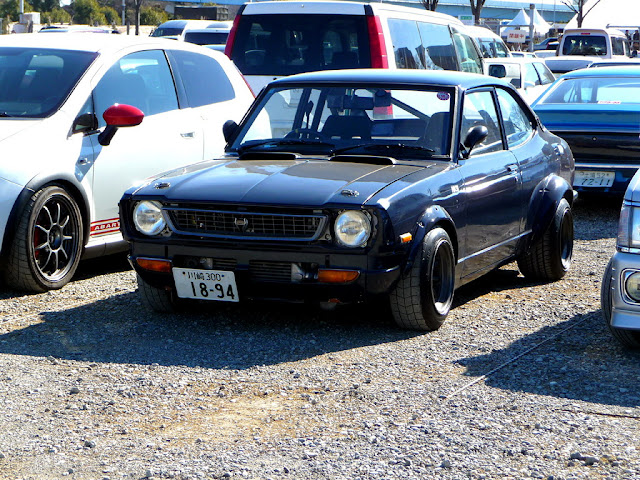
(120, 115)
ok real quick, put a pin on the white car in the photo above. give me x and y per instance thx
(530, 76)
(65, 161)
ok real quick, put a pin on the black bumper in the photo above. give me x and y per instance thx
(258, 283)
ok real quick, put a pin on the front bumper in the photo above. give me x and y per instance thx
(276, 274)
(625, 312)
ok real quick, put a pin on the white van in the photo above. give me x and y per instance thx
(489, 43)
(273, 39)
(176, 28)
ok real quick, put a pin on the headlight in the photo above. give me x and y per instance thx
(629, 227)
(632, 285)
(353, 228)
(148, 219)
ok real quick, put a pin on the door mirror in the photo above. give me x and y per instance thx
(476, 135)
(116, 116)
(498, 71)
(229, 129)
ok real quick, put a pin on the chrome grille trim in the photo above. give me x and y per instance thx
(233, 224)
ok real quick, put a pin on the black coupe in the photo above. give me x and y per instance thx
(339, 187)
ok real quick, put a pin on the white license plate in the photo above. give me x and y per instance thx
(593, 179)
(218, 285)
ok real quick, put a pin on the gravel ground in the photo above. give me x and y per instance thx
(522, 381)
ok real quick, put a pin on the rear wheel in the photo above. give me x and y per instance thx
(422, 298)
(550, 257)
(49, 237)
(628, 338)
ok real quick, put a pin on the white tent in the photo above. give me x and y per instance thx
(523, 20)
(609, 12)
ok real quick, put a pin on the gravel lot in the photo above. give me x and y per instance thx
(522, 381)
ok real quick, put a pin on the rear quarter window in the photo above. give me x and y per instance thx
(204, 79)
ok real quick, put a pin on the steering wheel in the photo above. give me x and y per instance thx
(307, 134)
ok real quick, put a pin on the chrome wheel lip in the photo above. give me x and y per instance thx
(566, 241)
(442, 280)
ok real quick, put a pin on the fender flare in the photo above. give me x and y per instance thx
(544, 203)
(35, 184)
(433, 216)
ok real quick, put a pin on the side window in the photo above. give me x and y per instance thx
(545, 74)
(407, 44)
(617, 46)
(517, 125)
(204, 79)
(479, 109)
(438, 52)
(468, 57)
(141, 79)
(530, 75)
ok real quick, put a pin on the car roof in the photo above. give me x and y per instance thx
(444, 78)
(613, 71)
(86, 42)
(514, 60)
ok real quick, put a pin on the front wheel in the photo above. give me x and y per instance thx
(157, 299)
(628, 338)
(550, 257)
(422, 298)
(45, 251)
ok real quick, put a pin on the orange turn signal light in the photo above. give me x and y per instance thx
(406, 238)
(154, 264)
(337, 276)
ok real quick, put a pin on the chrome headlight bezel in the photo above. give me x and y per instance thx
(629, 228)
(352, 228)
(148, 217)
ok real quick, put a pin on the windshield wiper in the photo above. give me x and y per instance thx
(383, 146)
(244, 148)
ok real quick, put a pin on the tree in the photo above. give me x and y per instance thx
(152, 16)
(430, 4)
(11, 9)
(87, 12)
(476, 9)
(578, 8)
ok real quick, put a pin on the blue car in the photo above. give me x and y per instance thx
(597, 111)
(345, 186)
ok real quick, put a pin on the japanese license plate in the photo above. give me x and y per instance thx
(218, 285)
(593, 179)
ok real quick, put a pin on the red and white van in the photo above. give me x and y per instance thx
(274, 39)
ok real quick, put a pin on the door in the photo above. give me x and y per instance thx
(491, 189)
(168, 137)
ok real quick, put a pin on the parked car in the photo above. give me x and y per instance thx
(596, 110)
(207, 36)
(620, 294)
(401, 185)
(530, 76)
(274, 39)
(178, 28)
(549, 43)
(64, 170)
(615, 63)
(76, 29)
(523, 54)
(489, 43)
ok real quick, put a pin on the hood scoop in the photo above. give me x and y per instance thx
(269, 156)
(370, 159)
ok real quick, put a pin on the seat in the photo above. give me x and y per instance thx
(347, 127)
(436, 135)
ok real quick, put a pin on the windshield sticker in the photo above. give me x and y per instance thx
(443, 96)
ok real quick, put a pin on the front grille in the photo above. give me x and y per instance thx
(261, 271)
(238, 224)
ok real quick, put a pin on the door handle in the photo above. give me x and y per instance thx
(188, 134)
(83, 161)
(512, 167)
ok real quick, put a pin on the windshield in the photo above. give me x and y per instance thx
(329, 119)
(292, 43)
(606, 90)
(34, 81)
(167, 31)
(584, 45)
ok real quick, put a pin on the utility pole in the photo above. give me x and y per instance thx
(532, 9)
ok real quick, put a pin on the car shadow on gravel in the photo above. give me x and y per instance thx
(577, 359)
(121, 330)
(596, 217)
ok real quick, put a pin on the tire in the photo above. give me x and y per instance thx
(549, 259)
(45, 251)
(422, 298)
(628, 338)
(157, 299)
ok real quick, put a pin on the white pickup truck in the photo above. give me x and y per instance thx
(579, 47)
